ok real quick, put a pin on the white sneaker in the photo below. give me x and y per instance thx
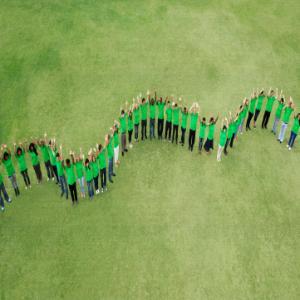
(287, 146)
(102, 190)
(2, 208)
(53, 178)
(130, 146)
(47, 179)
(30, 186)
(9, 200)
(97, 192)
(290, 148)
(25, 187)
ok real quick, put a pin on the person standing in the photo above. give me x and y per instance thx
(287, 111)
(242, 115)
(260, 100)
(71, 178)
(194, 113)
(52, 154)
(223, 138)
(160, 118)
(95, 169)
(175, 120)
(32, 150)
(168, 130)
(46, 158)
(278, 113)
(115, 134)
(209, 143)
(123, 125)
(136, 115)
(130, 127)
(110, 154)
(20, 156)
(152, 108)
(251, 110)
(89, 178)
(4, 193)
(230, 133)
(60, 172)
(270, 101)
(144, 109)
(294, 131)
(79, 172)
(184, 117)
(102, 165)
(202, 131)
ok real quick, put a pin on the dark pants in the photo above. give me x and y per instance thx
(250, 116)
(192, 139)
(96, 182)
(226, 145)
(48, 169)
(144, 129)
(73, 192)
(292, 139)
(183, 130)
(232, 140)
(136, 131)
(103, 177)
(265, 119)
(160, 128)
(54, 168)
(175, 134)
(90, 188)
(256, 114)
(110, 168)
(152, 128)
(130, 136)
(38, 172)
(168, 130)
(26, 177)
(200, 144)
(5, 195)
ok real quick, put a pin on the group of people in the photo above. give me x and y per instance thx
(167, 115)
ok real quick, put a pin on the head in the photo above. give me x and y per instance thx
(160, 99)
(298, 116)
(86, 162)
(261, 93)
(224, 127)
(282, 100)
(100, 147)
(272, 92)
(32, 147)
(58, 156)
(152, 102)
(19, 151)
(211, 120)
(5, 156)
(68, 162)
(143, 100)
(122, 112)
(185, 110)
(175, 105)
(203, 119)
(168, 103)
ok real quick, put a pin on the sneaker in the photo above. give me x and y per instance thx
(130, 146)
(53, 178)
(111, 181)
(97, 192)
(2, 208)
(126, 150)
(290, 148)
(30, 186)
(9, 200)
(25, 187)
(113, 174)
(102, 190)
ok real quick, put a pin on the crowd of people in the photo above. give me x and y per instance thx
(165, 116)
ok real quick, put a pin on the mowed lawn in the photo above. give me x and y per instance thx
(174, 225)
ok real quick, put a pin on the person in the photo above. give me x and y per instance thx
(230, 132)
(102, 165)
(278, 113)
(242, 115)
(260, 99)
(60, 172)
(136, 115)
(71, 178)
(52, 154)
(115, 135)
(194, 113)
(184, 117)
(209, 143)
(251, 110)
(4, 193)
(123, 125)
(160, 118)
(130, 127)
(144, 110)
(42, 144)
(7, 162)
(294, 131)
(175, 121)
(270, 101)
(235, 126)
(202, 131)
(223, 138)
(94, 164)
(110, 154)
(32, 150)
(79, 172)
(287, 111)
(168, 130)
(89, 178)
(152, 108)
(20, 156)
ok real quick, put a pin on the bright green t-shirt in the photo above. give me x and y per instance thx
(152, 111)
(286, 114)
(34, 158)
(9, 166)
(260, 102)
(243, 113)
(231, 130)
(71, 178)
(21, 161)
(79, 169)
(95, 168)
(136, 115)
(52, 155)
(88, 173)
(60, 169)
(161, 110)
(202, 130)
(116, 139)
(45, 153)
(296, 125)
(176, 116)
(1, 178)
(110, 151)
(279, 109)
(211, 131)
(270, 103)
(194, 120)
(169, 114)
(144, 108)
(184, 117)
(123, 123)
(252, 105)
(102, 159)
(130, 123)
(223, 137)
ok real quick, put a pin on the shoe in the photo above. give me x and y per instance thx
(53, 178)
(126, 150)
(25, 187)
(290, 148)
(2, 208)
(105, 188)
(113, 174)
(111, 181)
(30, 186)
(102, 190)
(9, 200)
(130, 146)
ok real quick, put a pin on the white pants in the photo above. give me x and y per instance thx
(116, 154)
(220, 150)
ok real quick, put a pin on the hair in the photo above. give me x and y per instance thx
(261, 93)
(160, 99)
(168, 102)
(32, 148)
(130, 115)
(57, 154)
(241, 106)
(86, 161)
(100, 147)
(122, 111)
(211, 119)
(203, 119)
(282, 99)
(68, 162)
(224, 127)
(175, 104)
(143, 100)
(152, 102)
(5, 156)
(19, 149)
(185, 109)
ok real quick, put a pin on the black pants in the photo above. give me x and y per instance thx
(130, 135)
(192, 139)
(48, 169)
(136, 131)
(38, 172)
(226, 145)
(200, 144)
(232, 140)
(168, 130)
(160, 128)
(175, 134)
(54, 168)
(250, 116)
(73, 192)
(183, 130)
(144, 129)
(26, 177)
(96, 182)
(265, 119)
(256, 114)
(103, 177)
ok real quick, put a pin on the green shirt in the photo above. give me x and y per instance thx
(102, 159)
(184, 117)
(194, 120)
(270, 103)
(52, 155)
(243, 113)
(130, 123)
(88, 173)
(136, 115)
(60, 169)
(236, 125)
(260, 102)
(279, 109)
(223, 137)
(9, 166)
(21, 161)
(152, 111)
(45, 153)
(71, 178)
(161, 110)
(1, 178)
(211, 131)
(202, 130)
(296, 125)
(286, 114)
(176, 116)
(116, 139)
(144, 107)
(123, 123)
(79, 169)
(34, 158)
(231, 130)
(110, 152)
(95, 168)
(252, 105)
(169, 114)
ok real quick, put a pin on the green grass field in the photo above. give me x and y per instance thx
(174, 225)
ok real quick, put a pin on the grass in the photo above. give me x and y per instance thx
(174, 225)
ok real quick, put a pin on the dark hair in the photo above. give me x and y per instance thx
(168, 102)
(19, 149)
(130, 115)
(175, 104)
(122, 111)
(261, 93)
(160, 99)
(68, 162)
(143, 100)
(99, 147)
(152, 102)
(5, 156)
(224, 127)
(87, 161)
(32, 148)
(203, 119)
(57, 154)
(211, 119)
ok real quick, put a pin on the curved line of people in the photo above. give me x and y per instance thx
(168, 115)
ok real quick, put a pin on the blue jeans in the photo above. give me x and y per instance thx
(276, 121)
(292, 139)
(63, 185)
(152, 127)
(110, 168)
(81, 184)
(90, 188)
(282, 131)
(3, 190)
